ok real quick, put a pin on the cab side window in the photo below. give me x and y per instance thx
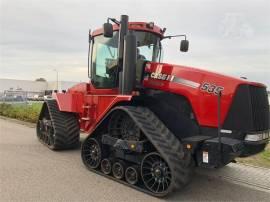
(104, 61)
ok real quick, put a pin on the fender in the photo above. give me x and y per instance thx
(90, 104)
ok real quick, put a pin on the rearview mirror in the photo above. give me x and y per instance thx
(184, 45)
(107, 30)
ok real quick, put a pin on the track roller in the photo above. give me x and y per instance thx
(106, 166)
(132, 175)
(118, 170)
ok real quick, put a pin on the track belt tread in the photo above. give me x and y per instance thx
(165, 142)
(169, 147)
(66, 127)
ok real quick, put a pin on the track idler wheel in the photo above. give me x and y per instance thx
(91, 153)
(123, 127)
(132, 175)
(156, 174)
(106, 166)
(118, 170)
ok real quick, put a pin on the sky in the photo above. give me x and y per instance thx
(229, 37)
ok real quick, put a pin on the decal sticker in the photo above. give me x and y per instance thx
(185, 82)
(211, 88)
(160, 76)
(174, 79)
(205, 157)
(168, 77)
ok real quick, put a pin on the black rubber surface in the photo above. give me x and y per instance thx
(65, 125)
(166, 144)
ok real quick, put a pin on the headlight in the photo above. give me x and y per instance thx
(257, 137)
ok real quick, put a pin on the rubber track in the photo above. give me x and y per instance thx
(66, 127)
(165, 142)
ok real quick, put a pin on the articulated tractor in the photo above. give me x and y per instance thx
(149, 123)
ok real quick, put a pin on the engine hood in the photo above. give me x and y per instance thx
(199, 86)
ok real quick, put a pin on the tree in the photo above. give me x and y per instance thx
(41, 79)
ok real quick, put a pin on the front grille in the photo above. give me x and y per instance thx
(260, 107)
(249, 111)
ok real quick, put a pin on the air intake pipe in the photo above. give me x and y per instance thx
(128, 75)
(123, 30)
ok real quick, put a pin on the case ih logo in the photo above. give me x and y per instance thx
(158, 75)
(171, 78)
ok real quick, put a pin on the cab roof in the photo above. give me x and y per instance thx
(139, 26)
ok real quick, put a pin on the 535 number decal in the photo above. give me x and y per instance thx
(211, 88)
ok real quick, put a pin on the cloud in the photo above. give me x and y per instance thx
(225, 36)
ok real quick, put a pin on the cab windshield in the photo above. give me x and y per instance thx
(105, 55)
(148, 46)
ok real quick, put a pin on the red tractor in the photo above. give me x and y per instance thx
(150, 123)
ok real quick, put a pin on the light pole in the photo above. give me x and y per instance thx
(56, 79)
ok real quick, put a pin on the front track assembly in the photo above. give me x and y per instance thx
(148, 157)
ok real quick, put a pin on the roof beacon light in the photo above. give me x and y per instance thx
(150, 25)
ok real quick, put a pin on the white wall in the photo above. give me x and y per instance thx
(62, 85)
(34, 86)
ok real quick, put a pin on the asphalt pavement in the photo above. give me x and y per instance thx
(31, 172)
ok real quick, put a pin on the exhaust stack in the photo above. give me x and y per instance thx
(127, 53)
(129, 64)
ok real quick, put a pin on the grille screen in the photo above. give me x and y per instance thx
(249, 111)
(260, 108)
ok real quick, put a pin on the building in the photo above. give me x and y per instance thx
(31, 88)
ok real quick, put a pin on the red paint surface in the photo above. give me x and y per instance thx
(93, 103)
(139, 26)
(204, 104)
(89, 102)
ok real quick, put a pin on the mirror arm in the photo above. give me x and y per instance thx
(173, 36)
(113, 20)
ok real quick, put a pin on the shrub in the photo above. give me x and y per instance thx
(24, 112)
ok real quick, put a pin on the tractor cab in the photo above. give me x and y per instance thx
(118, 53)
(104, 58)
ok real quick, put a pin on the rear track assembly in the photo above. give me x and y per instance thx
(57, 130)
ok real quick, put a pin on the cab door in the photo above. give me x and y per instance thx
(104, 91)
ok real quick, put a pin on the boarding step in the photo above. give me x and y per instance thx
(85, 118)
(86, 106)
